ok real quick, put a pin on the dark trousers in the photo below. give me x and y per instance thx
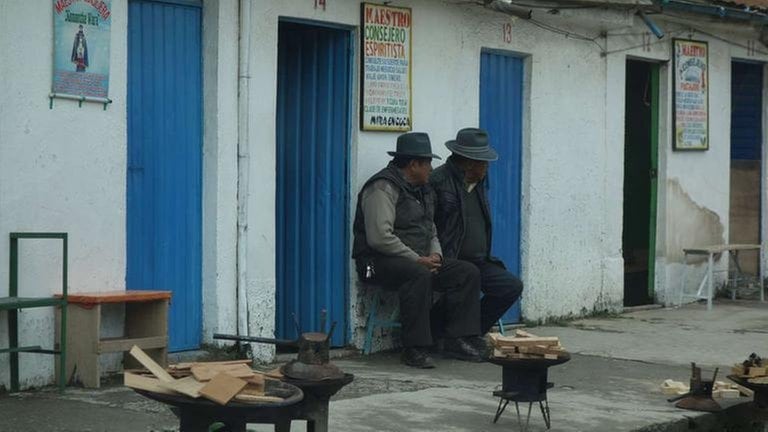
(500, 288)
(459, 281)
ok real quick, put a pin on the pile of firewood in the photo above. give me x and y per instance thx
(526, 345)
(220, 382)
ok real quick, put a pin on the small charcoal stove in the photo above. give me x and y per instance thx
(312, 372)
(525, 380)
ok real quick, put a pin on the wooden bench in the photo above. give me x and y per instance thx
(146, 326)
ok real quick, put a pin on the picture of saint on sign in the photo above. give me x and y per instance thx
(80, 51)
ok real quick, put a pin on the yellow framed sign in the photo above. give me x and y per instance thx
(385, 83)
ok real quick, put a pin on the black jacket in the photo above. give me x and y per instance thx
(447, 181)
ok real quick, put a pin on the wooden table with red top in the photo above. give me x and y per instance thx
(146, 326)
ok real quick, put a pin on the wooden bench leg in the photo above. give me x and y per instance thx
(147, 319)
(82, 360)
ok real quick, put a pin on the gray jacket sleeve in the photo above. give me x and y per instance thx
(434, 247)
(378, 204)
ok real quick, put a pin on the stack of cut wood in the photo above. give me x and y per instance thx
(220, 382)
(526, 345)
(754, 369)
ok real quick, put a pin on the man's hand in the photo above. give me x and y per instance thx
(432, 262)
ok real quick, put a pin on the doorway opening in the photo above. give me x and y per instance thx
(640, 181)
(746, 161)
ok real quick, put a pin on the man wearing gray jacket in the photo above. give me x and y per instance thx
(396, 245)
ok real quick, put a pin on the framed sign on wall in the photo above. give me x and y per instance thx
(385, 84)
(690, 108)
(81, 47)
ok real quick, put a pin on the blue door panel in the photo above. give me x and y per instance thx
(312, 152)
(746, 111)
(164, 207)
(501, 104)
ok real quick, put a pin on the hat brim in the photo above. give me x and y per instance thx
(432, 155)
(488, 154)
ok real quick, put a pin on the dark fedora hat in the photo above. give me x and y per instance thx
(414, 144)
(472, 143)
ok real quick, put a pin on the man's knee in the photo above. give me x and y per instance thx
(469, 270)
(513, 288)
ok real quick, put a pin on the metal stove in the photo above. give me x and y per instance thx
(525, 380)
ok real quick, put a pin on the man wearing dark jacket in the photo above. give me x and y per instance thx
(463, 219)
(396, 245)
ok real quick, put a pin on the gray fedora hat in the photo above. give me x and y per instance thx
(414, 144)
(472, 143)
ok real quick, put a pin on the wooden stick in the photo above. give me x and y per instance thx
(150, 364)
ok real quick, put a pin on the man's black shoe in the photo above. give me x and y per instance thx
(480, 345)
(417, 357)
(460, 349)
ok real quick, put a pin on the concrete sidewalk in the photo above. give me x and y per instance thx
(611, 383)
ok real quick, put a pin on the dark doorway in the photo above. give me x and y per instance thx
(640, 165)
(746, 156)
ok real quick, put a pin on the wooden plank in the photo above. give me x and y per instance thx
(527, 341)
(257, 398)
(523, 333)
(274, 373)
(539, 349)
(128, 296)
(745, 391)
(188, 365)
(108, 345)
(150, 364)
(145, 383)
(188, 386)
(207, 372)
(222, 388)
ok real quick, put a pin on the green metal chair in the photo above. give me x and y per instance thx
(13, 303)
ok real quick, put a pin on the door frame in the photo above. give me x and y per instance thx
(352, 96)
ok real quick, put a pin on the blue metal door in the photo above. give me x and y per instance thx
(501, 114)
(164, 208)
(313, 121)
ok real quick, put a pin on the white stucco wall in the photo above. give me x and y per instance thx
(573, 151)
(64, 169)
(220, 63)
(61, 169)
(565, 145)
